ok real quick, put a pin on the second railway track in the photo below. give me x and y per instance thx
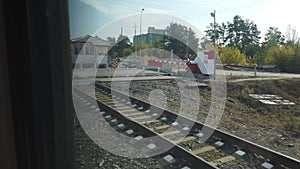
(133, 117)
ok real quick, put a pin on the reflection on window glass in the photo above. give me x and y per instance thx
(225, 65)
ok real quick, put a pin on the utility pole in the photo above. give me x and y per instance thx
(141, 32)
(187, 44)
(135, 41)
(215, 56)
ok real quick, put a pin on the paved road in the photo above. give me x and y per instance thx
(260, 74)
(120, 72)
(132, 72)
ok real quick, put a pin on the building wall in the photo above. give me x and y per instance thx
(90, 55)
(150, 37)
(102, 50)
(156, 31)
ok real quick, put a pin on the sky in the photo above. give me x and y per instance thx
(107, 17)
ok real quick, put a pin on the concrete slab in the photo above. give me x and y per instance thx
(130, 79)
(159, 128)
(164, 119)
(128, 111)
(223, 160)
(219, 143)
(134, 114)
(240, 153)
(186, 139)
(185, 128)
(271, 99)
(147, 118)
(151, 121)
(129, 132)
(151, 146)
(138, 138)
(199, 135)
(124, 108)
(154, 114)
(108, 117)
(121, 126)
(185, 167)
(175, 123)
(203, 150)
(267, 165)
(168, 158)
(114, 121)
(170, 133)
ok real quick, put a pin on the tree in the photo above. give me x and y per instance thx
(273, 37)
(292, 41)
(281, 56)
(253, 52)
(231, 55)
(286, 57)
(204, 42)
(221, 32)
(112, 40)
(123, 42)
(126, 52)
(181, 40)
(158, 44)
(242, 33)
(156, 50)
(291, 35)
(143, 46)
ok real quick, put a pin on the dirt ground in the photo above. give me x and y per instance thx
(274, 126)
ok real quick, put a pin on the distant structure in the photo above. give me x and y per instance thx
(92, 51)
(149, 38)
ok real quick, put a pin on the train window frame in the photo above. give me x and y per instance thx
(37, 107)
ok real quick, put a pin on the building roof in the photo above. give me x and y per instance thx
(94, 40)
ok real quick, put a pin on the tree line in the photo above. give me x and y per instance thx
(238, 42)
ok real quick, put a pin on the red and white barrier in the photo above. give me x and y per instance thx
(204, 63)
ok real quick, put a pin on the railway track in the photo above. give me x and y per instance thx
(134, 118)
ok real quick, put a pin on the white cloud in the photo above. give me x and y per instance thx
(115, 9)
(156, 10)
(97, 4)
(265, 13)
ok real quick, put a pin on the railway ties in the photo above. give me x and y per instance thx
(170, 159)
(221, 150)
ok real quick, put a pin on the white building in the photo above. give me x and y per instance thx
(88, 51)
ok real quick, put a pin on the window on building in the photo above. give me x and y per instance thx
(87, 50)
(92, 50)
(76, 49)
(80, 48)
